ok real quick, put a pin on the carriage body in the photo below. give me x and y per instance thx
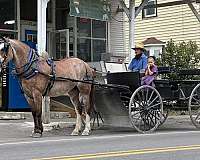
(143, 107)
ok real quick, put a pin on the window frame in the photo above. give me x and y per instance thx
(92, 37)
(144, 11)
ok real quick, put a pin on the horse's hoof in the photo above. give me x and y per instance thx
(36, 135)
(74, 133)
(85, 133)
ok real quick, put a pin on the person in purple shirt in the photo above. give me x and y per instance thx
(150, 72)
(139, 62)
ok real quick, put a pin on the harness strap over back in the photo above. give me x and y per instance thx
(52, 79)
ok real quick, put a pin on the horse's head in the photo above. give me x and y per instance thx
(5, 54)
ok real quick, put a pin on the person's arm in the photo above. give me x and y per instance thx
(146, 72)
(130, 67)
(150, 72)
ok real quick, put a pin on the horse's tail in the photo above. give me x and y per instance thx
(92, 98)
(92, 92)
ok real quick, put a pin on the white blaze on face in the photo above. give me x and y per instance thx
(1, 47)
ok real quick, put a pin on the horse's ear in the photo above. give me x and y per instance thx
(6, 39)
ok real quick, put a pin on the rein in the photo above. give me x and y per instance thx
(29, 71)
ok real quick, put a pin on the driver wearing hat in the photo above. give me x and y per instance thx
(139, 62)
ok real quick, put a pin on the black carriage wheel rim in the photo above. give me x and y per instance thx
(194, 103)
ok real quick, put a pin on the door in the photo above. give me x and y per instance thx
(62, 44)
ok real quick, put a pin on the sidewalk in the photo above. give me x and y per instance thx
(19, 125)
(28, 115)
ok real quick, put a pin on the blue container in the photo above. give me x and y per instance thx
(16, 99)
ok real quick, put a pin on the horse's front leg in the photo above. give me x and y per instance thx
(36, 104)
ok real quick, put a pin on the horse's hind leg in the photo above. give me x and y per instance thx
(85, 99)
(74, 97)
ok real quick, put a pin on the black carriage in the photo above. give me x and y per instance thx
(125, 102)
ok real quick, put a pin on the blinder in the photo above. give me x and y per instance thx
(4, 49)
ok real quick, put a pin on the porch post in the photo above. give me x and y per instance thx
(41, 46)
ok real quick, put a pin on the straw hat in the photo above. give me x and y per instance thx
(139, 45)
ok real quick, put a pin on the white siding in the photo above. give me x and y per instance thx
(117, 34)
(173, 22)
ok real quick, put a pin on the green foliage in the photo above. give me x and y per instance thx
(180, 56)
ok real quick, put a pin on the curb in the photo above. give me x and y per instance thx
(28, 115)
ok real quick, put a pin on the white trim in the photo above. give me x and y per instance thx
(155, 10)
(18, 20)
(151, 45)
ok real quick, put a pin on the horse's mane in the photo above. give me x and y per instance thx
(23, 46)
(18, 45)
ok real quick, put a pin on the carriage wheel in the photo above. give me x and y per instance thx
(146, 109)
(194, 106)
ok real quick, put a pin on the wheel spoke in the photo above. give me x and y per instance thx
(153, 100)
(197, 117)
(151, 117)
(143, 97)
(151, 95)
(136, 113)
(147, 94)
(134, 100)
(196, 99)
(155, 116)
(140, 98)
(153, 105)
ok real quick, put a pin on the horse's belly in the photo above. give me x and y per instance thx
(60, 88)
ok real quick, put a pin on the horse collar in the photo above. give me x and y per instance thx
(28, 69)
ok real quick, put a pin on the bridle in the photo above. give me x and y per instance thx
(5, 50)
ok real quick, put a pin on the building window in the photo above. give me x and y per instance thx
(92, 39)
(151, 10)
(157, 53)
(8, 15)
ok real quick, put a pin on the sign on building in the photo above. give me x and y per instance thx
(98, 9)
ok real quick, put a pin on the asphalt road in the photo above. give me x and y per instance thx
(177, 139)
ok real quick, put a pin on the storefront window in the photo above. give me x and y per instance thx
(98, 29)
(8, 14)
(91, 39)
(99, 48)
(84, 49)
(84, 27)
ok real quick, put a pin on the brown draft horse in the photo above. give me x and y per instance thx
(38, 76)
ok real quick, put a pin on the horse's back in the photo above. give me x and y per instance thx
(73, 67)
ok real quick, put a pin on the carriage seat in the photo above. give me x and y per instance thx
(131, 79)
